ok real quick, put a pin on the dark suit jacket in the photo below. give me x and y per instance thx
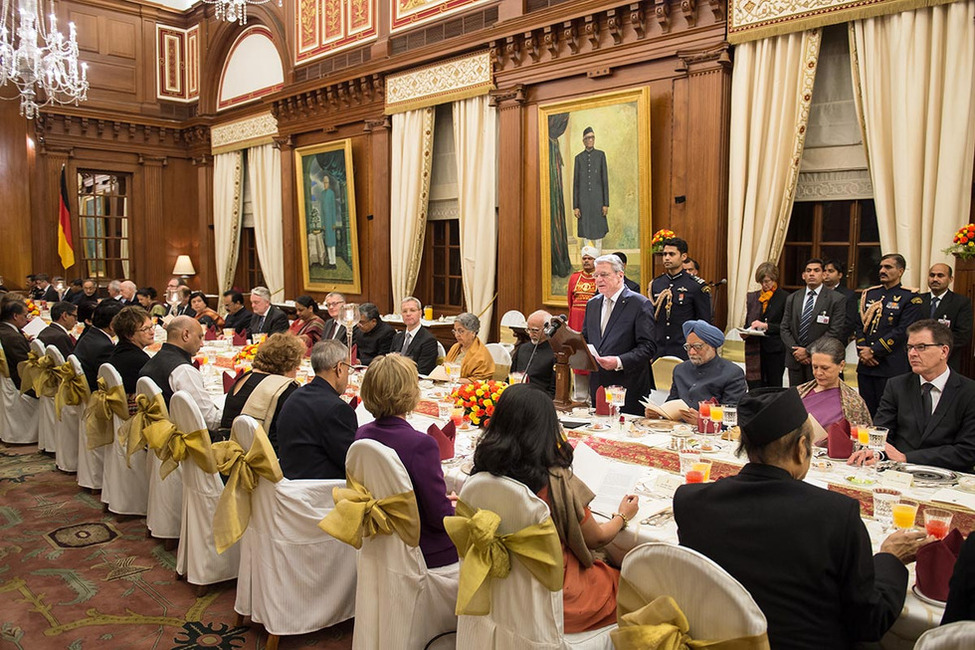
(957, 310)
(852, 321)
(240, 321)
(275, 320)
(771, 343)
(15, 348)
(423, 349)
(375, 342)
(333, 330)
(540, 363)
(802, 552)
(629, 335)
(631, 285)
(315, 429)
(93, 349)
(128, 359)
(50, 295)
(948, 440)
(54, 335)
(183, 310)
(961, 589)
(829, 304)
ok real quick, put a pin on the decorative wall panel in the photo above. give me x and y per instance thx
(242, 134)
(323, 27)
(251, 70)
(177, 63)
(193, 62)
(449, 81)
(409, 13)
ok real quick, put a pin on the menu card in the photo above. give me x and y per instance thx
(611, 481)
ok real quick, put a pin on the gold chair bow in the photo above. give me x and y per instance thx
(102, 404)
(244, 470)
(357, 514)
(28, 371)
(487, 555)
(46, 378)
(72, 389)
(173, 446)
(4, 368)
(661, 625)
(150, 418)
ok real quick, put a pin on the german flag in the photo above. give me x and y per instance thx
(65, 245)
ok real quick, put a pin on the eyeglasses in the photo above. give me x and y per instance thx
(921, 347)
(697, 347)
(342, 363)
(334, 304)
(603, 274)
(535, 330)
(147, 329)
(459, 331)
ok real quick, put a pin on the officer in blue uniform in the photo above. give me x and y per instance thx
(677, 297)
(886, 310)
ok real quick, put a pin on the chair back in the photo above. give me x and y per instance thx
(244, 430)
(663, 371)
(186, 415)
(441, 353)
(959, 635)
(146, 386)
(55, 354)
(37, 347)
(76, 364)
(502, 360)
(522, 609)
(513, 318)
(164, 511)
(716, 605)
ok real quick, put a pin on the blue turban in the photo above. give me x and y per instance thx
(705, 331)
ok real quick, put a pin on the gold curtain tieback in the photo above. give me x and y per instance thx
(487, 555)
(102, 405)
(357, 515)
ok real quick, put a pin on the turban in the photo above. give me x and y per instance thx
(590, 251)
(705, 331)
(767, 414)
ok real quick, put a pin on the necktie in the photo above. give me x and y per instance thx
(926, 403)
(607, 310)
(260, 325)
(406, 342)
(806, 320)
(934, 305)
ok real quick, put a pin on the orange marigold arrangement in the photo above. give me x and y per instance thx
(247, 353)
(659, 237)
(478, 399)
(32, 308)
(963, 245)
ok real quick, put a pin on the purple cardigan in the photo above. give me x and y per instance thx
(420, 455)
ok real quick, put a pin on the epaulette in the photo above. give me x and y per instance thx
(917, 300)
(911, 289)
(705, 289)
(699, 279)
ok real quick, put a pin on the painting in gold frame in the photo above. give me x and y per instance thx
(620, 122)
(326, 217)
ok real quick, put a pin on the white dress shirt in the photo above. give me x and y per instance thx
(186, 377)
(937, 388)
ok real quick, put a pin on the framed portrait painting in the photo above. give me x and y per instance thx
(595, 185)
(326, 217)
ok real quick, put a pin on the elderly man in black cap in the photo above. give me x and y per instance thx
(801, 551)
(590, 192)
(705, 375)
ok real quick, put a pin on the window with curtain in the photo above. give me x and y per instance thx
(248, 273)
(103, 219)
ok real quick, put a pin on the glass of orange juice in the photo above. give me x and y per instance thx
(904, 512)
(703, 466)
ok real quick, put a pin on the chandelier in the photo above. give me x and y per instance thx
(235, 10)
(38, 61)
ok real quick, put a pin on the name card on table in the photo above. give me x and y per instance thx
(896, 480)
(668, 484)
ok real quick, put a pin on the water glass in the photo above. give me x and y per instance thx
(516, 377)
(876, 439)
(729, 416)
(444, 409)
(883, 502)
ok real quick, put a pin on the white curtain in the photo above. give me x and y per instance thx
(409, 196)
(475, 126)
(771, 91)
(227, 186)
(264, 177)
(915, 72)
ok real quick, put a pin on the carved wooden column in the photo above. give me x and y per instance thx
(511, 272)
(144, 231)
(292, 274)
(205, 243)
(377, 223)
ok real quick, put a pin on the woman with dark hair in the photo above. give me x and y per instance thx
(827, 397)
(524, 441)
(206, 316)
(134, 330)
(764, 309)
(147, 299)
(309, 326)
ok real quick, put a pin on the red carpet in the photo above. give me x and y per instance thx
(72, 576)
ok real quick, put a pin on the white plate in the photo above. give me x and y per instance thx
(925, 599)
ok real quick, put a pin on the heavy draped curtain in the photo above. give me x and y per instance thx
(227, 196)
(561, 262)
(915, 76)
(475, 127)
(264, 177)
(770, 95)
(410, 195)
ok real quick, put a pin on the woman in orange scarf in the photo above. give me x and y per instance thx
(765, 355)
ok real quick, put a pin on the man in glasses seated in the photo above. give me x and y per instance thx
(705, 375)
(930, 411)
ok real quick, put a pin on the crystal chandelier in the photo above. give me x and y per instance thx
(39, 61)
(235, 10)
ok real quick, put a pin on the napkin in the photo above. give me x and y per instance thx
(354, 402)
(196, 363)
(240, 338)
(229, 379)
(935, 563)
(355, 353)
(210, 334)
(445, 439)
(838, 442)
(602, 406)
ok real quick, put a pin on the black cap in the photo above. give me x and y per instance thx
(767, 414)
(588, 131)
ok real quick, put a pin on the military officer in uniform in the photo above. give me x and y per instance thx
(677, 297)
(590, 192)
(885, 312)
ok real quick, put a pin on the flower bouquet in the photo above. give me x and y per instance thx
(963, 245)
(32, 308)
(247, 353)
(478, 399)
(659, 237)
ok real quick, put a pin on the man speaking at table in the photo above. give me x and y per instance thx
(619, 324)
(801, 551)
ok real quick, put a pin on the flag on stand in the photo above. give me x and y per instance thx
(65, 245)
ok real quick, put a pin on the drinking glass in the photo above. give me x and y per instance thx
(457, 416)
(904, 512)
(883, 501)
(703, 466)
(876, 441)
(937, 522)
(516, 377)
(688, 458)
(452, 368)
(616, 396)
(729, 416)
(444, 409)
(716, 414)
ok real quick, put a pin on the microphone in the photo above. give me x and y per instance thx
(719, 282)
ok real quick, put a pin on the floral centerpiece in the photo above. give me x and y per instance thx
(963, 245)
(32, 308)
(659, 237)
(478, 399)
(247, 353)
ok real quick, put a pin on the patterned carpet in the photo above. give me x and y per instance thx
(72, 576)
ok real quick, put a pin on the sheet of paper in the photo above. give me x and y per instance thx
(438, 374)
(592, 351)
(750, 332)
(34, 327)
(955, 497)
(611, 481)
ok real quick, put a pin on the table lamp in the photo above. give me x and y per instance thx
(184, 267)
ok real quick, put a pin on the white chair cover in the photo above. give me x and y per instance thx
(196, 556)
(514, 318)
(716, 605)
(125, 483)
(524, 614)
(282, 541)
(502, 360)
(47, 424)
(400, 604)
(663, 372)
(959, 635)
(18, 414)
(165, 506)
(72, 417)
(441, 353)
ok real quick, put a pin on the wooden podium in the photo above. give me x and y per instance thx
(571, 353)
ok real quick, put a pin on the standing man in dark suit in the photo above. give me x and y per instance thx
(930, 411)
(267, 318)
(315, 427)
(590, 192)
(14, 318)
(809, 315)
(677, 297)
(620, 325)
(416, 342)
(952, 309)
(96, 345)
(802, 552)
(833, 272)
(64, 316)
